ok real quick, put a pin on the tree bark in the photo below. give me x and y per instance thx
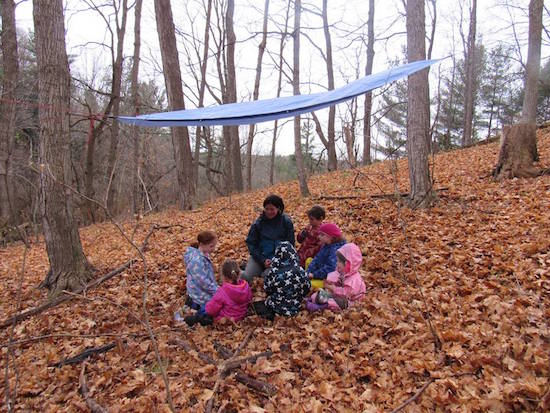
(231, 82)
(69, 268)
(8, 111)
(117, 85)
(418, 113)
(517, 152)
(134, 88)
(302, 177)
(368, 96)
(255, 94)
(172, 78)
(469, 93)
(532, 70)
(331, 148)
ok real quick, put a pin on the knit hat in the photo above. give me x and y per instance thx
(331, 230)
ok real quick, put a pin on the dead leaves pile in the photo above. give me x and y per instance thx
(476, 266)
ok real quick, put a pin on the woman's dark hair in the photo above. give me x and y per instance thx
(204, 237)
(230, 271)
(316, 212)
(276, 201)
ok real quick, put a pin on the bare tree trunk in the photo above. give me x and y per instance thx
(302, 177)
(518, 149)
(250, 140)
(418, 113)
(172, 77)
(202, 87)
(8, 111)
(529, 111)
(279, 86)
(235, 148)
(368, 96)
(331, 148)
(469, 93)
(117, 85)
(134, 87)
(69, 268)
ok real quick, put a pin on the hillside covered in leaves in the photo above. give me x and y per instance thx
(455, 317)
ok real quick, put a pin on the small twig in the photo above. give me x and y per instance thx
(63, 335)
(234, 363)
(413, 398)
(84, 355)
(94, 406)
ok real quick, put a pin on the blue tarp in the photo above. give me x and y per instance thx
(270, 109)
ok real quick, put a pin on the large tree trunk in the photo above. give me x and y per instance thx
(134, 88)
(235, 146)
(255, 94)
(302, 177)
(117, 85)
(368, 96)
(517, 152)
(331, 148)
(69, 268)
(518, 149)
(469, 93)
(172, 78)
(8, 110)
(418, 113)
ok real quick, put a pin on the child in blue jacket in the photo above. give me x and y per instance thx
(325, 261)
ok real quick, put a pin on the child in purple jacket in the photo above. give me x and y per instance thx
(230, 301)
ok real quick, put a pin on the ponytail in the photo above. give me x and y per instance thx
(231, 271)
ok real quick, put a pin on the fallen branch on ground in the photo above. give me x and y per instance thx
(94, 406)
(254, 384)
(84, 355)
(63, 298)
(413, 398)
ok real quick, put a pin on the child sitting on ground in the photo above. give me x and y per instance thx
(286, 284)
(230, 301)
(325, 260)
(200, 277)
(344, 286)
(309, 237)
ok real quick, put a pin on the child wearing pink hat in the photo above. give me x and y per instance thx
(325, 261)
(343, 287)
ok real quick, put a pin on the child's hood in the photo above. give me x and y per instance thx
(352, 253)
(239, 293)
(191, 254)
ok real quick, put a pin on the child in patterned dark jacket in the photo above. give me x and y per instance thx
(286, 284)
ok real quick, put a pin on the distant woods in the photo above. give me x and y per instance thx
(221, 51)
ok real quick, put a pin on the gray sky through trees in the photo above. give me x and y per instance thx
(86, 31)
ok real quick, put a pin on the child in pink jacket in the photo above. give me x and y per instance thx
(233, 297)
(231, 300)
(344, 286)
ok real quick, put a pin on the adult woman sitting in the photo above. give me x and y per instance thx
(271, 228)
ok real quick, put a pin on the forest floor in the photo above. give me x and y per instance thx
(476, 266)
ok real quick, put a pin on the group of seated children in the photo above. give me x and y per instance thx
(324, 263)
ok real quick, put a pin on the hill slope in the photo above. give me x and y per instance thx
(476, 266)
